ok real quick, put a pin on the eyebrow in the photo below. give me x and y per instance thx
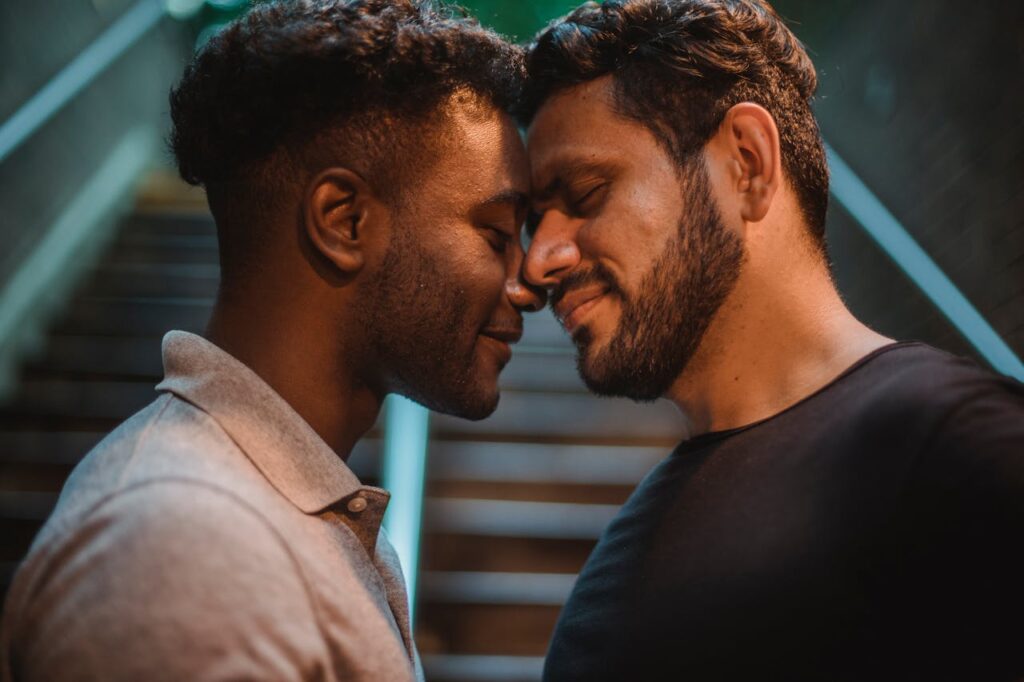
(508, 196)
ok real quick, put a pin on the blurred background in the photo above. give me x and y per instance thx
(103, 250)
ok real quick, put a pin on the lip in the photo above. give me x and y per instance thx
(507, 335)
(501, 339)
(571, 309)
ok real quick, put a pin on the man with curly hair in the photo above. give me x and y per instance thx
(368, 187)
(845, 507)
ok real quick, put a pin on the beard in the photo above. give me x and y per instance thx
(663, 323)
(418, 329)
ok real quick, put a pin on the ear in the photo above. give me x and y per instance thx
(751, 142)
(340, 211)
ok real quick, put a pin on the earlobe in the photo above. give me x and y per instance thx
(754, 142)
(338, 209)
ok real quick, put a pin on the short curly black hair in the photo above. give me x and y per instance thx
(294, 86)
(679, 65)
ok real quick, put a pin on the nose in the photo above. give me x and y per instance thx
(553, 252)
(523, 295)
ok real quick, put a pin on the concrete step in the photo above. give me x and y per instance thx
(463, 668)
(541, 416)
(108, 400)
(456, 552)
(136, 316)
(190, 250)
(485, 629)
(169, 222)
(135, 357)
(550, 520)
(174, 280)
(505, 462)
(479, 587)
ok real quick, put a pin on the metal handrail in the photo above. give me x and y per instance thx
(78, 74)
(883, 227)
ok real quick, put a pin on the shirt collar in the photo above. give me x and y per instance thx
(296, 461)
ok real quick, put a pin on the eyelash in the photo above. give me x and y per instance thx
(500, 245)
(577, 204)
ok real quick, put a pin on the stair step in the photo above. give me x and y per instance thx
(477, 587)
(156, 249)
(454, 552)
(145, 317)
(538, 462)
(534, 368)
(19, 505)
(542, 329)
(168, 222)
(461, 668)
(126, 356)
(552, 520)
(160, 241)
(176, 280)
(52, 448)
(486, 629)
(537, 416)
(113, 400)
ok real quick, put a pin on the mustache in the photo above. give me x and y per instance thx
(598, 274)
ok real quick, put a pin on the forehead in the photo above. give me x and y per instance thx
(481, 151)
(580, 125)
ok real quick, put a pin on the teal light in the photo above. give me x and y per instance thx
(886, 230)
(403, 473)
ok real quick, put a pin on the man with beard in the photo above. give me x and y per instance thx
(368, 189)
(845, 507)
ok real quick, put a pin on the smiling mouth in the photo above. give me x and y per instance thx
(572, 308)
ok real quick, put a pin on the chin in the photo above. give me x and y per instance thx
(473, 405)
(471, 398)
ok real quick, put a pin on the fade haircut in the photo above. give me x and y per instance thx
(677, 68)
(296, 86)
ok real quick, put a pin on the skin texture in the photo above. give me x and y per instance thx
(753, 332)
(364, 297)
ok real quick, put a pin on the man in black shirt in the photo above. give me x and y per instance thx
(846, 507)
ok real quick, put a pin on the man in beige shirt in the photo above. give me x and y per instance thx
(368, 189)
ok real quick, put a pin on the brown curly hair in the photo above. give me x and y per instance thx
(294, 86)
(679, 65)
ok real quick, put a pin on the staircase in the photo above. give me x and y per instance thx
(514, 503)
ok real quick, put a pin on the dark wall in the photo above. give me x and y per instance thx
(923, 99)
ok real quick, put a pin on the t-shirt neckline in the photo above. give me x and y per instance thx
(704, 439)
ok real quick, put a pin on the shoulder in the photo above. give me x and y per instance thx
(928, 377)
(151, 567)
(910, 391)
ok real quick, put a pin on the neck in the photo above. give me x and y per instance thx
(298, 355)
(773, 343)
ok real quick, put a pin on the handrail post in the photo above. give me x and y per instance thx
(403, 474)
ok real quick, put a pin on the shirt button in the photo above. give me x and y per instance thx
(357, 504)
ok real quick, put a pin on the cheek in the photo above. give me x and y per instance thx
(476, 275)
(629, 238)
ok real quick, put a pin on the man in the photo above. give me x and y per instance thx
(845, 507)
(367, 188)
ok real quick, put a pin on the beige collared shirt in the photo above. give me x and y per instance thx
(212, 536)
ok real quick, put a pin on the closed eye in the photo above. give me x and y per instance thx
(583, 203)
(497, 238)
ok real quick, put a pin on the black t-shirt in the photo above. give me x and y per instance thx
(872, 531)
